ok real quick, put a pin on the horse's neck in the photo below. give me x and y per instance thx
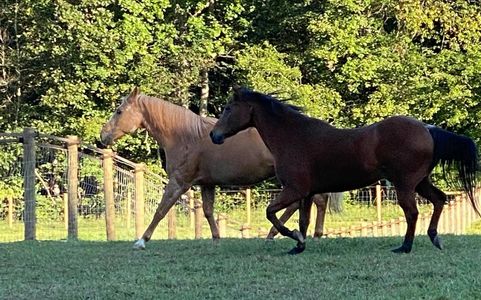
(275, 129)
(172, 125)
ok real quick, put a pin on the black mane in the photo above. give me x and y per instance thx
(272, 104)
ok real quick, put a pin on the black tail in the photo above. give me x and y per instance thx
(460, 152)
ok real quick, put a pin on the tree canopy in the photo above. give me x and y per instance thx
(66, 63)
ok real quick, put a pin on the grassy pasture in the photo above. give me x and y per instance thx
(346, 268)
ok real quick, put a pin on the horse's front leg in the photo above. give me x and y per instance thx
(283, 200)
(290, 210)
(208, 196)
(173, 190)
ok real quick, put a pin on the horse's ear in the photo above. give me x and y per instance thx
(134, 93)
(237, 91)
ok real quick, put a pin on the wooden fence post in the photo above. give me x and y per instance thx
(248, 205)
(198, 218)
(190, 195)
(446, 218)
(363, 229)
(452, 216)
(458, 215)
(171, 223)
(464, 215)
(108, 166)
(378, 202)
(384, 227)
(401, 227)
(222, 224)
(469, 214)
(10, 211)
(375, 228)
(65, 210)
(129, 207)
(352, 231)
(245, 230)
(72, 174)
(29, 161)
(392, 223)
(312, 220)
(139, 199)
(426, 221)
(441, 222)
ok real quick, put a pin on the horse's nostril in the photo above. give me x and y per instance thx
(211, 134)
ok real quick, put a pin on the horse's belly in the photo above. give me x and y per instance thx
(340, 180)
(236, 175)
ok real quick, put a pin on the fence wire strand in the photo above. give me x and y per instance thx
(51, 189)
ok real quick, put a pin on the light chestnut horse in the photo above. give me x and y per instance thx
(192, 159)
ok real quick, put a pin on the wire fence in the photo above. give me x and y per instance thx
(135, 195)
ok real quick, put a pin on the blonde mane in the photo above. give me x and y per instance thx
(167, 121)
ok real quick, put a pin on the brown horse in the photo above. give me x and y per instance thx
(191, 157)
(312, 156)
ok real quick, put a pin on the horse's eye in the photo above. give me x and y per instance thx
(227, 109)
(118, 111)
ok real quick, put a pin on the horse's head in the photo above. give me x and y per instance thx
(237, 116)
(126, 119)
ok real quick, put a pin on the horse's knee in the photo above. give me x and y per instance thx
(208, 213)
(270, 213)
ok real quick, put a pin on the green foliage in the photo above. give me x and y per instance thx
(66, 64)
(266, 70)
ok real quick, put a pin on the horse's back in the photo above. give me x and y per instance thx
(403, 143)
(352, 158)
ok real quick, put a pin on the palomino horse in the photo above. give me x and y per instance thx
(312, 157)
(191, 157)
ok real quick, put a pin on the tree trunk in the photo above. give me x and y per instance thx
(204, 92)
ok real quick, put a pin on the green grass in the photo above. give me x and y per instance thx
(345, 268)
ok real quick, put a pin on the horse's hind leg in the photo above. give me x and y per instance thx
(304, 215)
(208, 195)
(427, 190)
(285, 216)
(407, 201)
(173, 190)
(321, 203)
(284, 199)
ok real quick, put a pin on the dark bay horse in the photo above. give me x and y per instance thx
(192, 159)
(312, 156)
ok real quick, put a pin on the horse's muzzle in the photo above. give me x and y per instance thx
(216, 138)
(105, 139)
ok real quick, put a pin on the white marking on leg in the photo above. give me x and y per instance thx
(139, 245)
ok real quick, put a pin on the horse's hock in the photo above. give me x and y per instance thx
(60, 188)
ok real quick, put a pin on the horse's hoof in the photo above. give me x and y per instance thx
(215, 241)
(269, 239)
(139, 245)
(297, 235)
(298, 249)
(433, 235)
(402, 249)
(437, 242)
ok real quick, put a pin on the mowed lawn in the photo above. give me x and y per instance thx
(341, 268)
